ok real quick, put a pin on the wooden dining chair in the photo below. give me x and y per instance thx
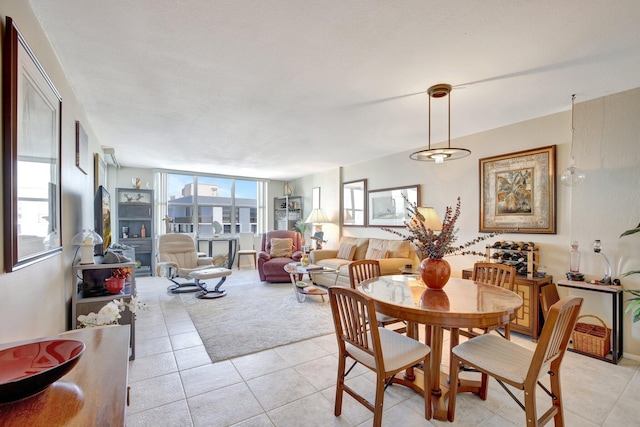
(520, 367)
(361, 270)
(548, 297)
(381, 350)
(498, 275)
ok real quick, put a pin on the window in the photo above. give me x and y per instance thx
(195, 203)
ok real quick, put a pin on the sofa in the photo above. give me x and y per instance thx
(393, 255)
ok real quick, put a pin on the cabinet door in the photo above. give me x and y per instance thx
(523, 317)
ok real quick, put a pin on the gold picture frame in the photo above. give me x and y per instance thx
(518, 192)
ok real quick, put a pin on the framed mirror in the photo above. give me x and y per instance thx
(354, 207)
(32, 121)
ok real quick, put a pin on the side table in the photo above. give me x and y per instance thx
(294, 269)
(616, 315)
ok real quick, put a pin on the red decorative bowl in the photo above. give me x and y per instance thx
(28, 369)
(114, 284)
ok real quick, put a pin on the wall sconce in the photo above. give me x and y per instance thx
(86, 240)
(439, 155)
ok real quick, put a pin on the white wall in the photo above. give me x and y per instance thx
(605, 146)
(35, 300)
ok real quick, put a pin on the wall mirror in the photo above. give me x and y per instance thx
(32, 121)
(354, 208)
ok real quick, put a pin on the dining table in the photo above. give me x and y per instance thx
(462, 303)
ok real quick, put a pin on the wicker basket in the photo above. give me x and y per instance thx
(592, 339)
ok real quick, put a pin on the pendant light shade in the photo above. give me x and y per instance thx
(572, 175)
(440, 155)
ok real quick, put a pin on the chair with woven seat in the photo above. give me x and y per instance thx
(520, 367)
(362, 270)
(247, 248)
(381, 350)
(498, 275)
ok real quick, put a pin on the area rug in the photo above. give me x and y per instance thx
(255, 317)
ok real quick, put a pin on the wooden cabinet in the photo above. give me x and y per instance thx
(529, 319)
(89, 294)
(135, 226)
(286, 211)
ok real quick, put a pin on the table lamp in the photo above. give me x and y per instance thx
(430, 222)
(317, 217)
(86, 240)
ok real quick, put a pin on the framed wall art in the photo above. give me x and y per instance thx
(82, 148)
(388, 207)
(31, 157)
(518, 192)
(354, 206)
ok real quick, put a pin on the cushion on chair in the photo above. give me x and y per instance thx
(346, 251)
(373, 253)
(395, 248)
(494, 353)
(281, 248)
(397, 350)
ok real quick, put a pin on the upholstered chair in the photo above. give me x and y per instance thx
(274, 254)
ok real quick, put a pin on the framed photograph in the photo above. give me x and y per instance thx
(518, 192)
(354, 207)
(82, 147)
(99, 172)
(388, 207)
(31, 156)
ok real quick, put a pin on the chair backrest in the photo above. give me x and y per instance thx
(548, 297)
(246, 241)
(494, 274)
(281, 234)
(362, 270)
(178, 248)
(353, 312)
(555, 335)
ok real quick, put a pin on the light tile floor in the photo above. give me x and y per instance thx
(174, 383)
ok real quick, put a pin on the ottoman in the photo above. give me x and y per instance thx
(210, 273)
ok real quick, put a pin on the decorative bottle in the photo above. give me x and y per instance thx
(574, 258)
(143, 231)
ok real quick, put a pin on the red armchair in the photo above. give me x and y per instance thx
(272, 269)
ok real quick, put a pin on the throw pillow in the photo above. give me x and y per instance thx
(346, 251)
(281, 247)
(373, 253)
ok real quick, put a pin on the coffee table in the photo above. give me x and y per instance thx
(295, 269)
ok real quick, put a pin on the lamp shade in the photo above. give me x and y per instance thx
(431, 220)
(317, 216)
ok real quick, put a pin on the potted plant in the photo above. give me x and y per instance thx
(634, 303)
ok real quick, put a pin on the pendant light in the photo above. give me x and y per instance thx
(572, 176)
(439, 155)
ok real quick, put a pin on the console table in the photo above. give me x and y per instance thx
(233, 247)
(616, 314)
(529, 319)
(94, 392)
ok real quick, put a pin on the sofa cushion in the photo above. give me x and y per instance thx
(374, 253)
(335, 263)
(396, 248)
(361, 245)
(281, 248)
(346, 251)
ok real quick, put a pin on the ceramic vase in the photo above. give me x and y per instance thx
(114, 284)
(435, 273)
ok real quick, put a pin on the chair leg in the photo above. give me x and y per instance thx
(507, 332)
(530, 404)
(337, 410)
(428, 405)
(556, 390)
(377, 412)
(453, 386)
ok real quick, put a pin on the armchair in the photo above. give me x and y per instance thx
(271, 268)
(178, 258)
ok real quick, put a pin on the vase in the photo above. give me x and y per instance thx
(434, 272)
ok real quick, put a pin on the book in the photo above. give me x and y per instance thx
(312, 267)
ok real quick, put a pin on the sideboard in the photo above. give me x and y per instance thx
(93, 393)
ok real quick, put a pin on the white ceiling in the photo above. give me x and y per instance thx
(284, 88)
